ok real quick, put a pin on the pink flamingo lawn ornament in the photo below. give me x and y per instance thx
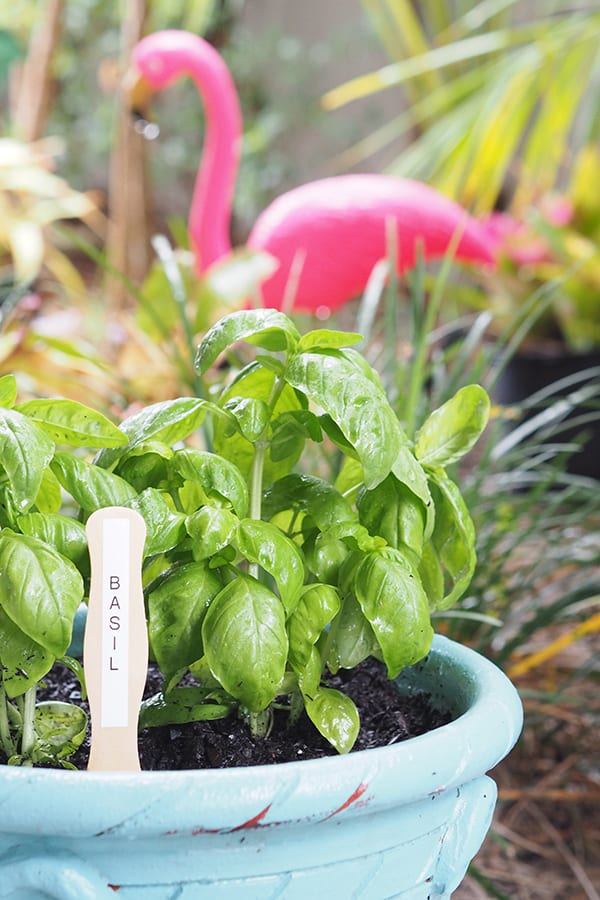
(332, 230)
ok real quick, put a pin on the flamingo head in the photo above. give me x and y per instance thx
(163, 57)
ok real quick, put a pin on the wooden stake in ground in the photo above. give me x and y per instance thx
(115, 649)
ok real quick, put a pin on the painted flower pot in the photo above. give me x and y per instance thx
(399, 821)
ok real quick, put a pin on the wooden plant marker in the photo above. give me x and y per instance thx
(115, 647)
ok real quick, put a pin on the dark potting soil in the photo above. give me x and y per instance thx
(386, 717)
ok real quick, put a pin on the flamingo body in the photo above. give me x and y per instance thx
(338, 226)
(334, 228)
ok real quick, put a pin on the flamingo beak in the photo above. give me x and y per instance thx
(137, 92)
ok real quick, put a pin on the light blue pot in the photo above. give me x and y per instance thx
(400, 821)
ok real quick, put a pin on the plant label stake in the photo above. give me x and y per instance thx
(115, 648)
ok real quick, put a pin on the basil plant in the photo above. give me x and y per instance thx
(262, 571)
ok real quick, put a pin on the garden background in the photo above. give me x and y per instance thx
(494, 103)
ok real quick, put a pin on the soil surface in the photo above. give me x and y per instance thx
(386, 718)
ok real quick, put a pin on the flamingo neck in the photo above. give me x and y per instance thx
(210, 211)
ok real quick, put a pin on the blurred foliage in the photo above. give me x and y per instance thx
(87, 71)
(552, 246)
(32, 198)
(498, 93)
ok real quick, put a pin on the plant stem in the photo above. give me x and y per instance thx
(261, 723)
(6, 740)
(28, 736)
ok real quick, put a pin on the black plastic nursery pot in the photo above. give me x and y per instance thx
(531, 371)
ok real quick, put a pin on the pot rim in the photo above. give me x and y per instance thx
(488, 723)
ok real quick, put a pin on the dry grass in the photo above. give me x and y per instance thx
(545, 839)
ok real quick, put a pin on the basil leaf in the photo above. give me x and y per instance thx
(353, 638)
(252, 416)
(318, 605)
(324, 555)
(40, 590)
(145, 466)
(324, 339)
(289, 432)
(49, 496)
(23, 662)
(356, 405)
(176, 610)
(393, 511)
(392, 598)
(310, 495)
(179, 707)
(25, 451)
(165, 527)
(245, 641)
(216, 475)
(267, 328)
(453, 538)
(60, 727)
(454, 428)
(64, 533)
(167, 422)
(70, 422)
(8, 391)
(255, 382)
(211, 529)
(265, 544)
(88, 484)
(335, 716)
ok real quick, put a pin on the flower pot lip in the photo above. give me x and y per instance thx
(487, 724)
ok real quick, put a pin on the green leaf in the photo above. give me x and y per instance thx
(255, 382)
(267, 328)
(245, 641)
(454, 428)
(356, 405)
(353, 638)
(289, 432)
(394, 512)
(251, 415)
(25, 451)
(318, 605)
(60, 727)
(335, 716)
(49, 496)
(218, 476)
(453, 538)
(8, 391)
(70, 422)
(211, 528)
(181, 706)
(165, 527)
(40, 590)
(265, 544)
(23, 661)
(312, 496)
(324, 555)
(64, 533)
(324, 339)
(391, 596)
(167, 422)
(88, 484)
(145, 465)
(177, 608)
